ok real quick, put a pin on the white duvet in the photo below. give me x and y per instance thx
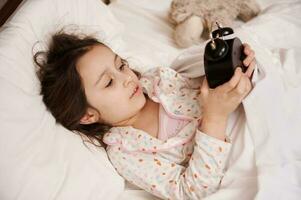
(271, 154)
(265, 162)
(266, 158)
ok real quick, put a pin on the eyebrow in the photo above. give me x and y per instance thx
(101, 75)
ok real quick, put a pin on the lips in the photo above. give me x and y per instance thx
(135, 91)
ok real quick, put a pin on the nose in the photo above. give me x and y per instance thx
(127, 81)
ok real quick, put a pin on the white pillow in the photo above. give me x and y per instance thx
(147, 33)
(40, 159)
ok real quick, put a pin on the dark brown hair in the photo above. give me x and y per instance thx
(61, 87)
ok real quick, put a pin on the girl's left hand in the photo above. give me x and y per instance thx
(249, 61)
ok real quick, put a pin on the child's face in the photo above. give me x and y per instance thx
(109, 87)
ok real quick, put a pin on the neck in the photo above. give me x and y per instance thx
(145, 114)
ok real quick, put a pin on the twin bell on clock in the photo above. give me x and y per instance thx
(222, 55)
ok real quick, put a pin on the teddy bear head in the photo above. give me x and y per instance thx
(195, 19)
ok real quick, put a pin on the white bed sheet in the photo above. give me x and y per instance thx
(146, 24)
(39, 158)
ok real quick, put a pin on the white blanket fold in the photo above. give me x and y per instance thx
(266, 159)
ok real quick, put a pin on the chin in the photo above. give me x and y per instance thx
(138, 103)
(142, 99)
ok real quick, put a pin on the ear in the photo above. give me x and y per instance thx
(91, 116)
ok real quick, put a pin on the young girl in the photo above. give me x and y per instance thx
(160, 133)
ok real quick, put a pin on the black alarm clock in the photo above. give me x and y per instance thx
(222, 56)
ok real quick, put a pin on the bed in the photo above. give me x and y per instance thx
(42, 160)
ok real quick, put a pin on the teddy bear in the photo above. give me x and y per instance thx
(195, 19)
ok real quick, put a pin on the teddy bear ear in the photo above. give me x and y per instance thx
(178, 11)
(178, 17)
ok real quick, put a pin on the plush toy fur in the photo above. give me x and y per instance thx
(194, 18)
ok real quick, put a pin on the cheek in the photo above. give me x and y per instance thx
(132, 73)
(120, 108)
(115, 110)
(112, 101)
(99, 100)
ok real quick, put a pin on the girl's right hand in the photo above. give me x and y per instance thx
(218, 103)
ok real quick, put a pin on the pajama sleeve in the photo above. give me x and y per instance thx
(169, 180)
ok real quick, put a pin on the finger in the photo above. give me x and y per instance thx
(247, 48)
(231, 84)
(239, 91)
(246, 45)
(249, 87)
(204, 87)
(250, 68)
(249, 58)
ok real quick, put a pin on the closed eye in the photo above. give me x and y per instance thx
(109, 83)
(123, 64)
(122, 67)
